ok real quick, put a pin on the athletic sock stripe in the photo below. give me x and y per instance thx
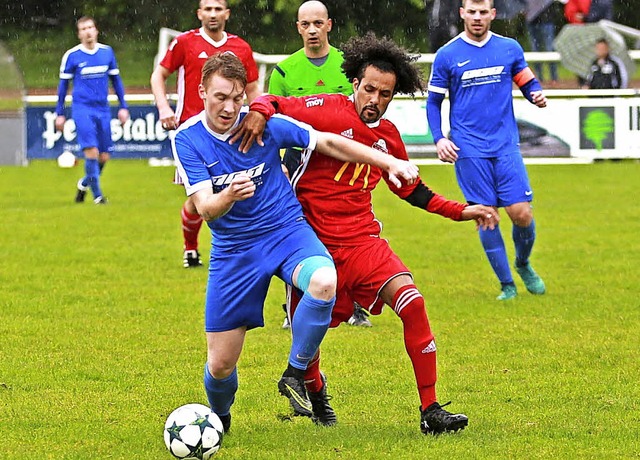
(405, 299)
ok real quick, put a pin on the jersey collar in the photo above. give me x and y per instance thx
(224, 136)
(204, 35)
(464, 37)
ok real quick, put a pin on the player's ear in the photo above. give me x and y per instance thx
(201, 92)
(329, 24)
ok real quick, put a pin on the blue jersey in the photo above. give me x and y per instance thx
(479, 77)
(205, 159)
(90, 71)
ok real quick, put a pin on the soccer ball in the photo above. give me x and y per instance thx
(193, 431)
(66, 159)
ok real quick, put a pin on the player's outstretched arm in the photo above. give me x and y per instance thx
(485, 216)
(345, 149)
(250, 130)
(212, 206)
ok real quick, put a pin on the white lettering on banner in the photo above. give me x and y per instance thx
(137, 130)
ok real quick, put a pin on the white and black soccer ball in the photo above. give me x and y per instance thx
(193, 431)
(67, 159)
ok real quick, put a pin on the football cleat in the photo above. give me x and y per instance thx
(531, 279)
(360, 316)
(509, 291)
(226, 422)
(435, 420)
(191, 258)
(323, 413)
(81, 193)
(294, 389)
(100, 200)
(286, 324)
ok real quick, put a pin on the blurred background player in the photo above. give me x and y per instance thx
(91, 65)
(336, 199)
(313, 69)
(478, 69)
(187, 54)
(258, 231)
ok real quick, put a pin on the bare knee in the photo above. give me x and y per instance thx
(521, 214)
(323, 282)
(220, 368)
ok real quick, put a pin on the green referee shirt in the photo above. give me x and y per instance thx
(298, 76)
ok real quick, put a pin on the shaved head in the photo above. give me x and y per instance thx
(314, 7)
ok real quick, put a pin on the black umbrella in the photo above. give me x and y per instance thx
(536, 7)
(509, 9)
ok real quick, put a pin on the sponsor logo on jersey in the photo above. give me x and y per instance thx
(315, 102)
(431, 348)
(94, 70)
(464, 63)
(223, 180)
(348, 133)
(381, 145)
(483, 76)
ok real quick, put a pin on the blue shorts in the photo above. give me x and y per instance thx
(239, 279)
(500, 181)
(93, 126)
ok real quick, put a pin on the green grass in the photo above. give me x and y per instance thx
(101, 329)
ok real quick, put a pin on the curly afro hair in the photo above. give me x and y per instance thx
(385, 55)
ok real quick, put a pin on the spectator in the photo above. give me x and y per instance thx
(540, 17)
(576, 11)
(443, 22)
(607, 71)
(600, 9)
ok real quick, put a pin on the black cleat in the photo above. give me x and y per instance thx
(435, 420)
(81, 193)
(323, 413)
(360, 316)
(294, 389)
(80, 196)
(101, 200)
(191, 258)
(226, 422)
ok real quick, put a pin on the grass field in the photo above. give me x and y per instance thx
(101, 329)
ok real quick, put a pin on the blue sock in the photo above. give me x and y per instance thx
(523, 239)
(220, 393)
(310, 323)
(93, 173)
(497, 254)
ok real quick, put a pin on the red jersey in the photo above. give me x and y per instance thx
(336, 195)
(187, 53)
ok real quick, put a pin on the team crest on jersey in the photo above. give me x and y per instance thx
(381, 145)
(314, 101)
(223, 180)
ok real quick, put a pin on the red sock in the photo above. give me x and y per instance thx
(408, 304)
(312, 379)
(191, 224)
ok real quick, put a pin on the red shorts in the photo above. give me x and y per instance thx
(363, 271)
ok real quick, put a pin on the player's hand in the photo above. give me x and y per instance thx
(539, 99)
(60, 119)
(402, 169)
(123, 116)
(486, 217)
(447, 150)
(241, 188)
(250, 129)
(168, 118)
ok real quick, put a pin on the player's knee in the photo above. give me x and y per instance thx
(317, 276)
(220, 368)
(521, 215)
(323, 283)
